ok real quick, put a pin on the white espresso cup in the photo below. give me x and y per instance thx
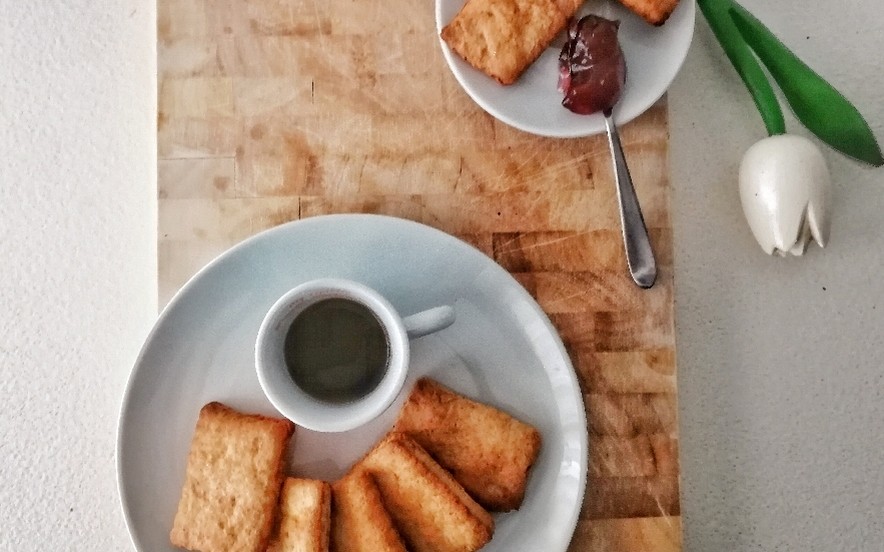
(332, 354)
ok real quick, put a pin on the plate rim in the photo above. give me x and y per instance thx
(582, 440)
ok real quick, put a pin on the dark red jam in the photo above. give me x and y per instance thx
(592, 69)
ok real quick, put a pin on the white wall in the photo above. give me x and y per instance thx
(77, 260)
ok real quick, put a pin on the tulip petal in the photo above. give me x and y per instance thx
(818, 225)
(784, 189)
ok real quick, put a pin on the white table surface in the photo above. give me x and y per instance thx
(780, 360)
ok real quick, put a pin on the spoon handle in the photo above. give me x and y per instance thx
(639, 255)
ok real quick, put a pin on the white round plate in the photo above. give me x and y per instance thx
(533, 104)
(502, 350)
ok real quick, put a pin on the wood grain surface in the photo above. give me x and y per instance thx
(271, 111)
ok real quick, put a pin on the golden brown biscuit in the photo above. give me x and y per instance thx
(503, 37)
(304, 517)
(232, 481)
(431, 510)
(655, 12)
(569, 7)
(488, 451)
(360, 523)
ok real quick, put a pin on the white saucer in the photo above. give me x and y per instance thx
(502, 350)
(654, 56)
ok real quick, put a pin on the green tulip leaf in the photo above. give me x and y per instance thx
(744, 61)
(816, 103)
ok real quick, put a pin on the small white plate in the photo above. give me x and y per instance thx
(654, 56)
(501, 350)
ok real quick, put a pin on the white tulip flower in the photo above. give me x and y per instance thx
(785, 189)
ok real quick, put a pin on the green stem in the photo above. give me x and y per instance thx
(816, 103)
(717, 13)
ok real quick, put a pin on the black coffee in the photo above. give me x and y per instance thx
(336, 350)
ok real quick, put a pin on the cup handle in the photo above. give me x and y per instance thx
(428, 321)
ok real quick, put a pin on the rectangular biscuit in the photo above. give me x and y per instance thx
(655, 12)
(503, 37)
(232, 481)
(360, 523)
(304, 518)
(488, 451)
(430, 509)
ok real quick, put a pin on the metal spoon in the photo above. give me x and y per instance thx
(639, 255)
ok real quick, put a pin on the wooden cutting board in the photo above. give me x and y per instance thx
(273, 110)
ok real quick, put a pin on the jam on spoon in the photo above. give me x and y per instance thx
(592, 69)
